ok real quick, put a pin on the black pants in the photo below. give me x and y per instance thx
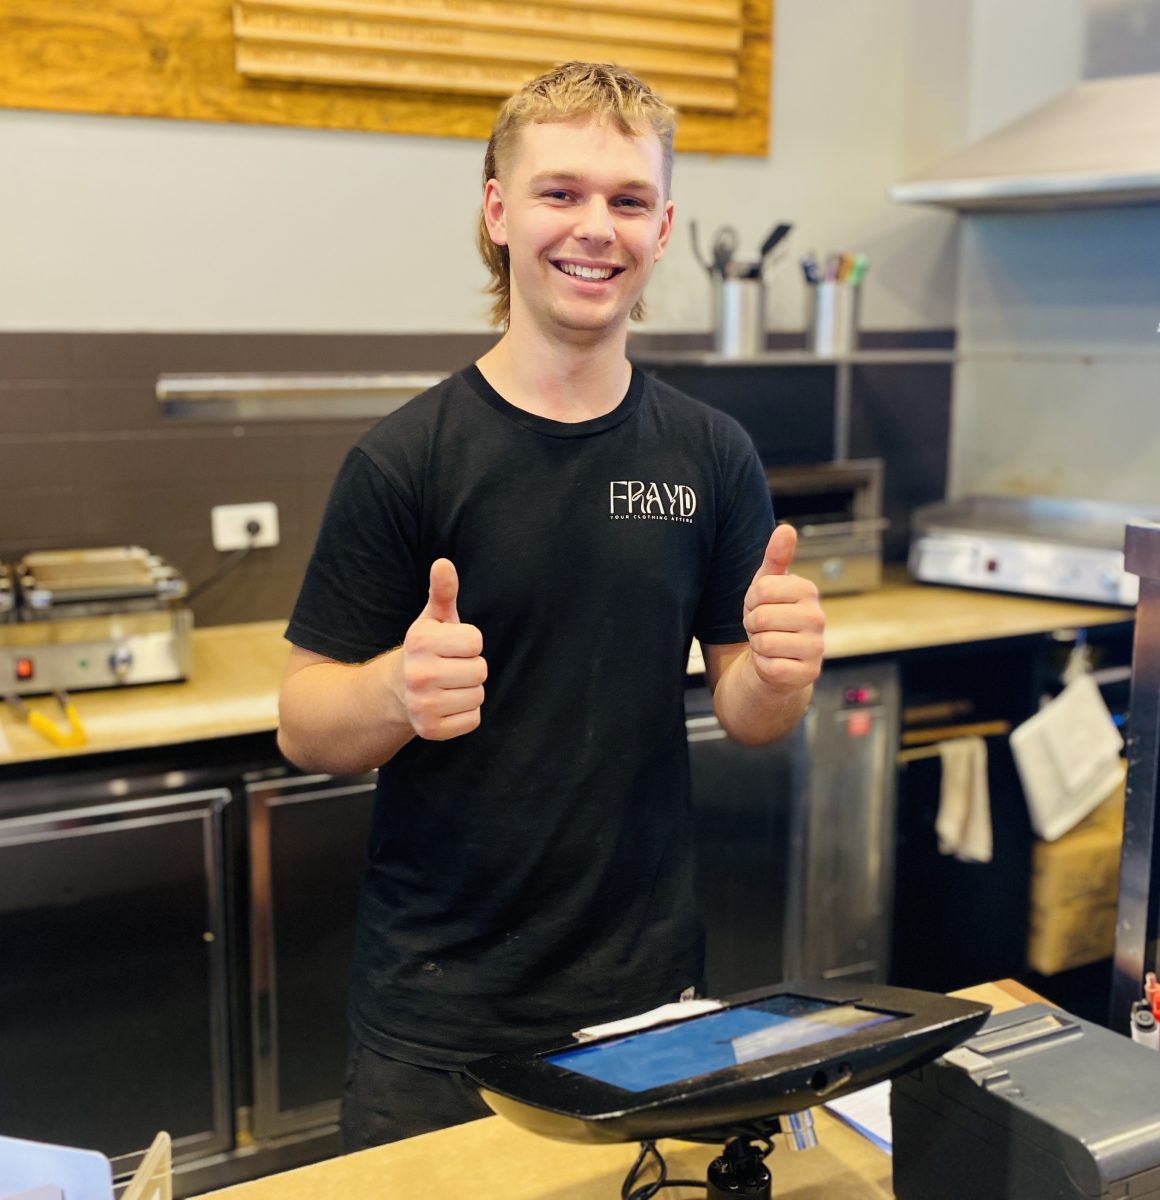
(386, 1100)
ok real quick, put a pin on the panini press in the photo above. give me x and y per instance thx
(105, 617)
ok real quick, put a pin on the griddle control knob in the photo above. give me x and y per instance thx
(120, 662)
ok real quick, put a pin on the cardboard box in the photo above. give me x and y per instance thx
(1082, 866)
(1071, 935)
(1074, 888)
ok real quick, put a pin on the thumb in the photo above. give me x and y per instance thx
(779, 553)
(443, 592)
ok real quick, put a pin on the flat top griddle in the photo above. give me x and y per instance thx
(1097, 524)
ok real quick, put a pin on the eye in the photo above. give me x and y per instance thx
(557, 194)
(630, 202)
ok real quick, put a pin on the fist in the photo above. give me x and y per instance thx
(443, 665)
(783, 619)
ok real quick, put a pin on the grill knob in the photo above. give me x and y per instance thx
(120, 661)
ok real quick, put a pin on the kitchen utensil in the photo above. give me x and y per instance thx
(51, 732)
(724, 248)
(775, 237)
(697, 248)
(738, 290)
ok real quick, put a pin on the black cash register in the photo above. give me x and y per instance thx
(728, 1074)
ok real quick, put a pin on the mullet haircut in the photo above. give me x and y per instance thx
(571, 92)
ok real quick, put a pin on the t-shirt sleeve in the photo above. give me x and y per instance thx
(361, 590)
(743, 531)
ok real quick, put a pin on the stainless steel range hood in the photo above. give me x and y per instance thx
(1095, 145)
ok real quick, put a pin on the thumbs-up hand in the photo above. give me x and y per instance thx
(443, 593)
(783, 619)
(443, 665)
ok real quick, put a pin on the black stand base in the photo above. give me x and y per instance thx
(737, 1173)
(740, 1172)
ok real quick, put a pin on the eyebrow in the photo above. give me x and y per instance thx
(629, 185)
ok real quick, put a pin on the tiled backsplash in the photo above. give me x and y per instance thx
(87, 458)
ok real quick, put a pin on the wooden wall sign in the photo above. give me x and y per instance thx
(437, 67)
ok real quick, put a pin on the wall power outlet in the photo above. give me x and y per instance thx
(232, 525)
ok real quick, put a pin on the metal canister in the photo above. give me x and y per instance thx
(739, 310)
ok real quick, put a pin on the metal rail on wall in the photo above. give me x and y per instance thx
(305, 396)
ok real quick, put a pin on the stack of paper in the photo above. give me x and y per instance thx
(867, 1111)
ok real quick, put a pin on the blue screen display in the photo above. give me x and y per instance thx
(653, 1058)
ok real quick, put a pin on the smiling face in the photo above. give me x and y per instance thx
(583, 214)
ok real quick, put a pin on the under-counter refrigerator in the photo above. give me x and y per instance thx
(796, 839)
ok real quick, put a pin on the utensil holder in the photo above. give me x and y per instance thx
(739, 315)
(832, 317)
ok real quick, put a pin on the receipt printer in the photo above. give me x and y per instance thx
(1037, 1104)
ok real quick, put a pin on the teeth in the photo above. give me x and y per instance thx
(586, 272)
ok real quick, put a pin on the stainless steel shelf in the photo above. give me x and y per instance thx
(841, 364)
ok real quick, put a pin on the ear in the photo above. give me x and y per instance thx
(494, 216)
(665, 230)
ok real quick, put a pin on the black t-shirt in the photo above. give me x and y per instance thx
(536, 875)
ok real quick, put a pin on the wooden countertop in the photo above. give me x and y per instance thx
(237, 669)
(232, 689)
(902, 615)
(491, 1159)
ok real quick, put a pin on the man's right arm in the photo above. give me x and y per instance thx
(346, 718)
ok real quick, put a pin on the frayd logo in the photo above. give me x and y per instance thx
(640, 500)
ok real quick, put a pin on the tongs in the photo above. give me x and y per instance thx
(48, 729)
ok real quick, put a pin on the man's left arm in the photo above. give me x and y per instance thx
(762, 687)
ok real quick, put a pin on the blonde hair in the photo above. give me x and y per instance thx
(574, 90)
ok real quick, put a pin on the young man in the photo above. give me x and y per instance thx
(555, 524)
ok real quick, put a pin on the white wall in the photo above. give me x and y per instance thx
(1058, 390)
(127, 224)
(1021, 54)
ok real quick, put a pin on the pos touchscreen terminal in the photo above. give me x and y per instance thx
(730, 1073)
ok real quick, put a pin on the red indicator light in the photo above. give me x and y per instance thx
(24, 668)
(859, 724)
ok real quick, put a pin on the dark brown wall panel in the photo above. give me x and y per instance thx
(87, 458)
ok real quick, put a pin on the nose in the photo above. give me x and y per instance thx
(594, 221)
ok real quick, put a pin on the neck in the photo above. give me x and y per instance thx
(559, 379)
